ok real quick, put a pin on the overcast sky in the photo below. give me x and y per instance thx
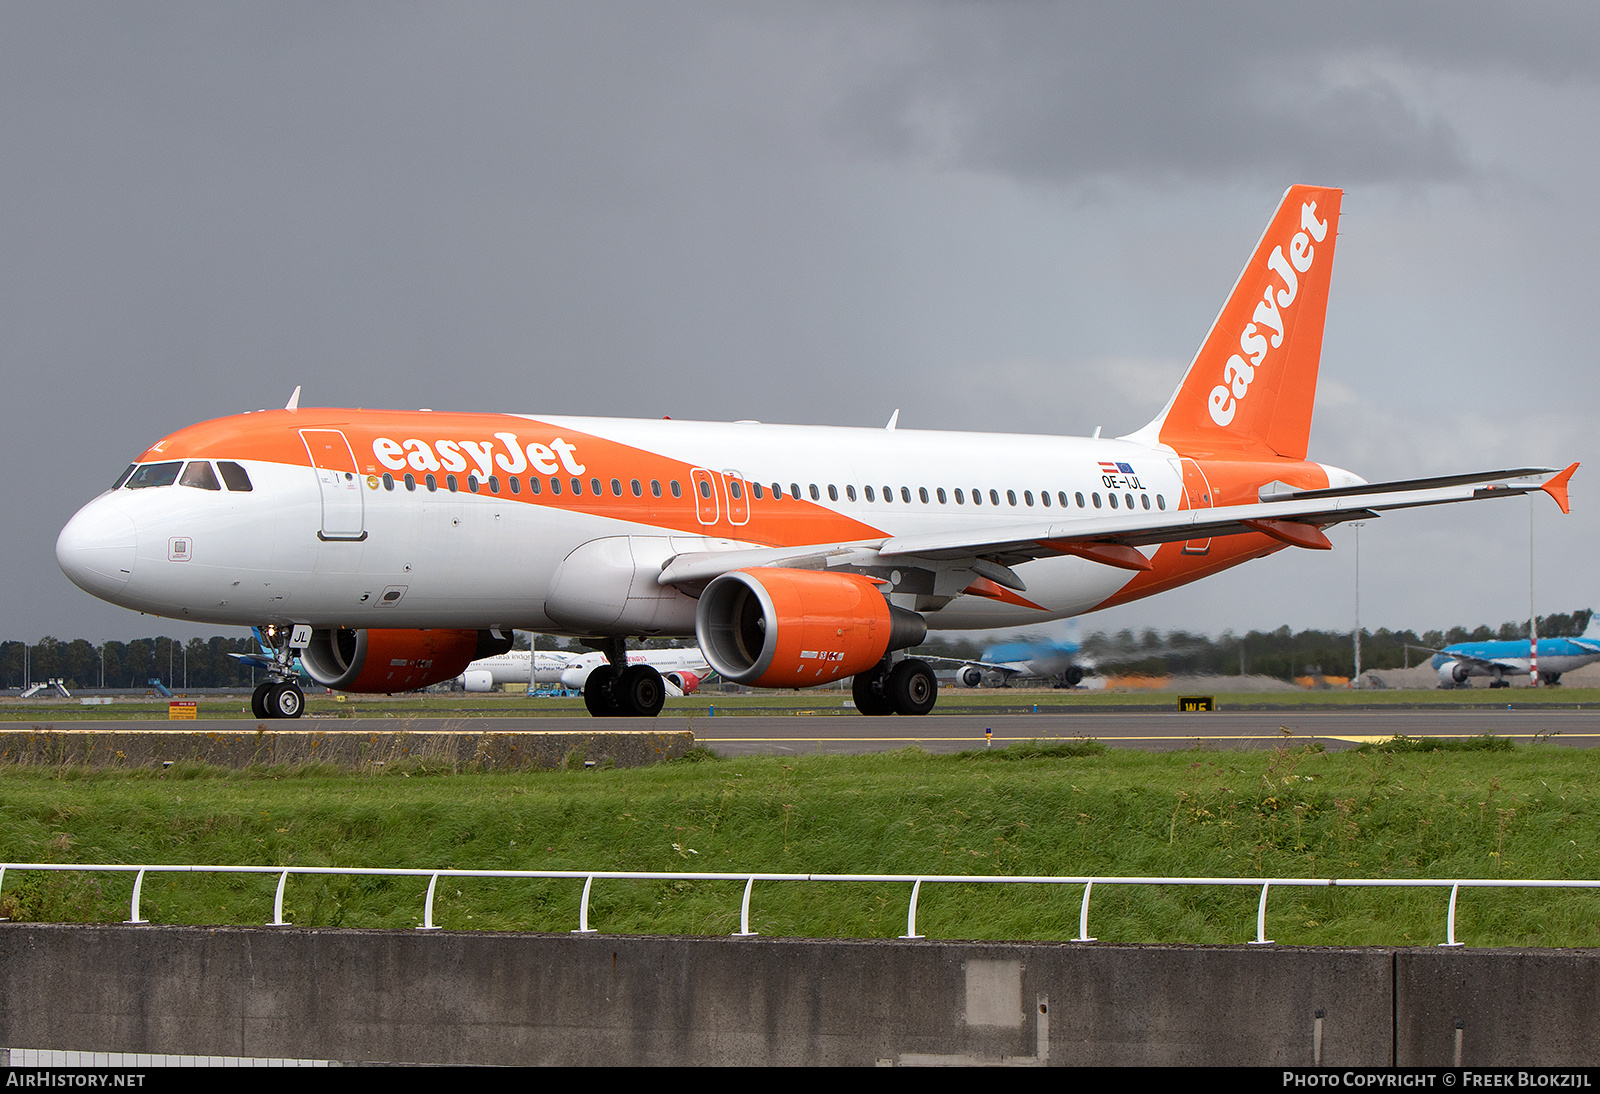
(1012, 217)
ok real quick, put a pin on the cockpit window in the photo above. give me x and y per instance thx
(122, 478)
(154, 474)
(234, 476)
(199, 475)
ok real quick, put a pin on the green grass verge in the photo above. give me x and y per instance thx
(1052, 808)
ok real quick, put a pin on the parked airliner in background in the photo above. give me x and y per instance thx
(1457, 664)
(393, 548)
(515, 667)
(1043, 659)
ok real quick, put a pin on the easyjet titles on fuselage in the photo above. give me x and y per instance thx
(448, 455)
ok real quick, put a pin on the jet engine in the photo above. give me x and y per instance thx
(685, 681)
(478, 680)
(386, 661)
(798, 628)
(969, 676)
(1453, 674)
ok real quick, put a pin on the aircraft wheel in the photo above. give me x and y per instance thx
(1551, 679)
(258, 701)
(640, 692)
(911, 687)
(867, 690)
(285, 701)
(598, 695)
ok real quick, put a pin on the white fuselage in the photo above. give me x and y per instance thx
(399, 557)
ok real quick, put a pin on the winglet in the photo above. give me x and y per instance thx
(294, 400)
(1557, 488)
(894, 420)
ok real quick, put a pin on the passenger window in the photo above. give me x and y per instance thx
(1112, 498)
(705, 489)
(154, 474)
(961, 499)
(1061, 496)
(594, 487)
(1044, 498)
(616, 488)
(1027, 498)
(733, 489)
(850, 492)
(411, 481)
(555, 486)
(922, 492)
(655, 488)
(1145, 500)
(677, 491)
(905, 494)
(940, 493)
(199, 475)
(433, 484)
(388, 481)
(888, 493)
(450, 484)
(577, 487)
(777, 492)
(235, 476)
(515, 484)
(1096, 496)
(1161, 502)
(1129, 499)
(755, 488)
(534, 485)
(638, 491)
(122, 478)
(977, 497)
(816, 495)
(1079, 497)
(1011, 497)
(994, 498)
(833, 492)
(794, 490)
(494, 483)
(870, 495)
(472, 483)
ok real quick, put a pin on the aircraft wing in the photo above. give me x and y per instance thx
(1295, 517)
(988, 666)
(1472, 659)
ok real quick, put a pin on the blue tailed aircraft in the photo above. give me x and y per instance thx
(1500, 661)
(1057, 661)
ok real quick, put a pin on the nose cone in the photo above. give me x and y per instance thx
(96, 549)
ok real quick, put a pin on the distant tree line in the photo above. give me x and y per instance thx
(1279, 653)
(128, 664)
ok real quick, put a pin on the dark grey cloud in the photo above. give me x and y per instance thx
(1164, 91)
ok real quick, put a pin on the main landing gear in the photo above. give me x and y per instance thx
(907, 688)
(620, 690)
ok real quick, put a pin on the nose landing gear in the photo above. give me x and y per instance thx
(277, 699)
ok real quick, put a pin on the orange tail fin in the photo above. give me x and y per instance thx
(1250, 389)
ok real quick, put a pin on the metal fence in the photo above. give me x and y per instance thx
(916, 881)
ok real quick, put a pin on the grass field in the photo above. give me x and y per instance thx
(1483, 810)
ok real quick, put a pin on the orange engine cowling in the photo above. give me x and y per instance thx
(394, 660)
(798, 628)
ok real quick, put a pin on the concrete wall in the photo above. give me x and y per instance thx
(482, 998)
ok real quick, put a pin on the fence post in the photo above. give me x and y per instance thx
(1083, 914)
(1450, 922)
(277, 902)
(427, 910)
(744, 912)
(583, 908)
(911, 914)
(1261, 918)
(138, 883)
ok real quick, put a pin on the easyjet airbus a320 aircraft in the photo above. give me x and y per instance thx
(390, 548)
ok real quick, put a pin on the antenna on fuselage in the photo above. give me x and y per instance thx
(294, 400)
